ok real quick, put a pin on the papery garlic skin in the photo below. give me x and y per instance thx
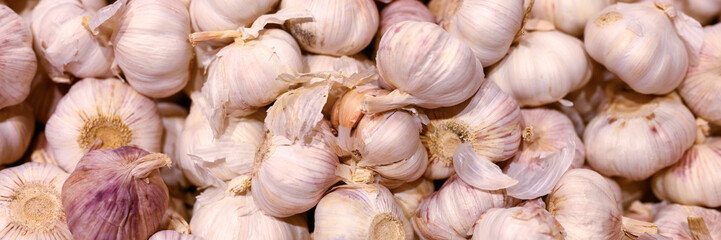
(104, 109)
(17, 59)
(360, 211)
(636, 135)
(568, 16)
(399, 11)
(16, 128)
(218, 15)
(529, 221)
(410, 195)
(672, 221)
(700, 88)
(68, 47)
(566, 68)
(31, 205)
(338, 27)
(344, 65)
(173, 235)
(487, 26)
(151, 46)
(451, 212)
(612, 36)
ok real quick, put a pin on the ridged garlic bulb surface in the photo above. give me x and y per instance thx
(487, 26)
(703, 11)
(410, 195)
(17, 58)
(108, 110)
(218, 15)
(636, 135)
(568, 16)
(399, 11)
(672, 221)
(543, 67)
(670, 39)
(16, 128)
(702, 84)
(151, 46)
(338, 27)
(528, 221)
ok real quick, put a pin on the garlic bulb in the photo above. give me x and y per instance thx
(360, 211)
(217, 15)
(612, 37)
(173, 235)
(175, 215)
(116, 193)
(16, 128)
(31, 206)
(636, 135)
(549, 148)
(69, 48)
(702, 10)
(565, 68)
(102, 109)
(338, 27)
(701, 86)
(220, 214)
(568, 16)
(17, 59)
(173, 117)
(41, 151)
(410, 195)
(45, 96)
(528, 221)
(426, 66)
(487, 26)
(144, 27)
(451, 212)
(469, 137)
(672, 221)
(399, 11)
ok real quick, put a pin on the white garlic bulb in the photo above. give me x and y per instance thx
(45, 96)
(670, 38)
(17, 59)
(218, 15)
(549, 148)
(399, 11)
(360, 211)
(426, 66)
(451, 212)
(487, 26)
(702, 10)
(338, 27)
(410, 195)
(69, 48)
(636, 135)
(568, 16)
(173, 235)
(701, 86)
(16, 128)
(102, 109)
(173, 117)
(469, 137)
(563, 67)
(530, 220)
(673, 221)
(31, 206)
(145, 27)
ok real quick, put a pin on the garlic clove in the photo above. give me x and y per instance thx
(16, 128)
(479, 172)
(537, 178)
(700, 86)
(673, 221)
(410, 195)
(173, 235)
(17, 59)
(567, 15)
(528, 221)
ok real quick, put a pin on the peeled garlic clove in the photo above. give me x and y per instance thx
(399, 11)
(672, 221)
(410, 195)
(426, 66)
(568, 16)
(31, 205)
(173, 117)
(217, 15)
(567, 68)
(145, 26)
(702, 10)
(529, 221)
(700, 87)
(487, 26)
(631, 136)
(17, 59)
(102, 109)
(116, 192)
(45, 96)
(173, 235)
(360, 211)
(672, 40)
(337, 27)
(451, 211)
(16, 128)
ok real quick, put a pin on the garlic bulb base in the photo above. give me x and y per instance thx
(387, 226)
(442, 139)
(111, 130)
(35, 208)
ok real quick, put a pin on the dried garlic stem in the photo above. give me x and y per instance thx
(529, 135)
(197, 37)
(239, 184)
(635, 228)
(702, 130)
(698, 228)
(148, 163)
(177, 223)
(353, 174)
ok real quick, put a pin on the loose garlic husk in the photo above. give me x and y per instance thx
(220, 213)
(69, 48)
(17, 59)
(673, 222)
(530, 220)
(569, 16)
(549, 148)
(102, 109)
(173, 235)
(469, 137)
(451, 212)
(636, 135)
(702, 10)
(426, 66)
(173, 117)
(45, 96)
(338, 27)
(410, 195)
(116, 193)
(487, 26)
(399, 11)
(702, 84)
(671, 40)
(344, 67)
(566, 68)
(360, 211)
(31, 204)
(218, 15)
(16, 128)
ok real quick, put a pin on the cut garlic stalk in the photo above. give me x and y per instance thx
(218, 15)
(102, 109)
(528, 221)
(17, 59)
(569, 16)
(16, 128)
(702, 84)
(673, 222)
(410, 195)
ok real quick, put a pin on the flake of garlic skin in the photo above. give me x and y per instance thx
(672, 39)
(672, 221)
(568, 16)
(17, 59)
(173, 235)
(703, 11)
(360, 211)
(629, 138)
(410, 195)
(31, 202)
(16, 128)
(102, 109)
(218, 15)
(528, 221)
(488, 27)
(700, 88)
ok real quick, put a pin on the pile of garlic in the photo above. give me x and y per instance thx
(360, 119)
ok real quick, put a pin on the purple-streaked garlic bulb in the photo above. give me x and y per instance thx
(17, 58)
